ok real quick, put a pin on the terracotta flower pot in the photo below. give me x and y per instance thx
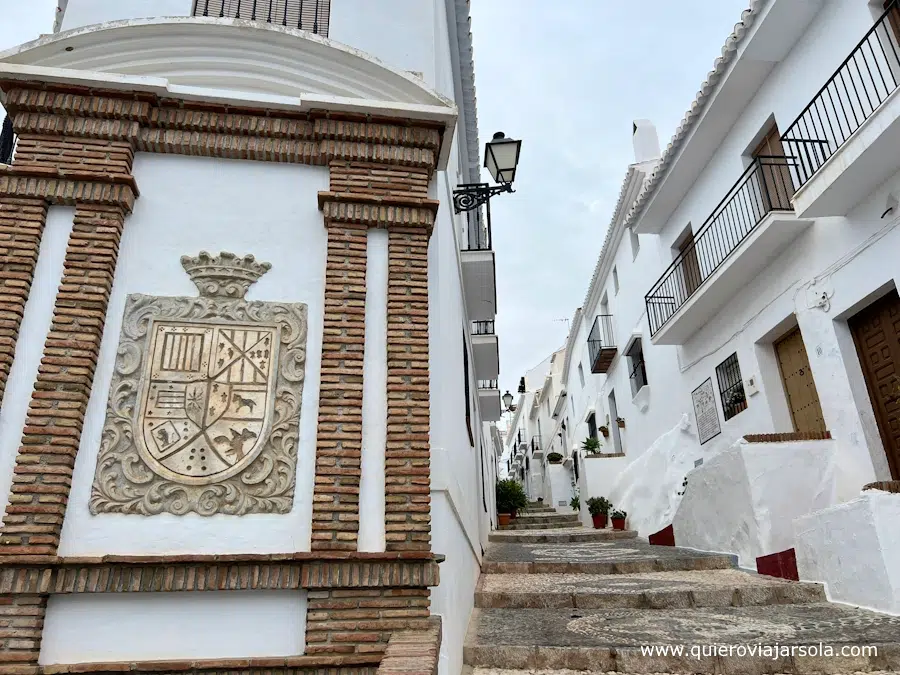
(514, 513)
(503, 518)
(618, 523)
(599, 521)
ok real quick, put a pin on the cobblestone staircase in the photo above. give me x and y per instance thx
(566, 598)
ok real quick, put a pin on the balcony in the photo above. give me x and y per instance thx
(846, 139)
(486, 350)
(750, 226)
(489, 400)
(602, 344)
(309, 15)
(479, 273)
(537, 449)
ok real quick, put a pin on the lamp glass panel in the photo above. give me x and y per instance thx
(501, 159)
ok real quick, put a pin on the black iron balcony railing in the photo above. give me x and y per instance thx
(601, 343)
(765, 186)
(7, 141)
(482, 328)
(478, 231)
(309, 15)
(488, 384)
(859, 86)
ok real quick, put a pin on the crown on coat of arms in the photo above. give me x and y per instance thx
(225, 275)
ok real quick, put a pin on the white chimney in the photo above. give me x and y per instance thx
(645, 141)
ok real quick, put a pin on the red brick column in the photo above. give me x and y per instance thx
(335, 522)
(43, 472)
(21, 625)
(21, 226)
(408, 456)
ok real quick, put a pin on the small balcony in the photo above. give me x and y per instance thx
(602, 344)
(846, 139)
(537, 449)
(486, 350)
(309, 15)
(478, 269)
(489, 400)
(749, 228)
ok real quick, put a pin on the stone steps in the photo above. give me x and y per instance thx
(468, 670)
(611, 640)
(545, 535)
(538, 523)
(653, 590)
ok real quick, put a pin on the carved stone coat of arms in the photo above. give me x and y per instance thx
(204, 405)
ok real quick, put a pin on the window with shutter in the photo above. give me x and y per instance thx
(310, 15)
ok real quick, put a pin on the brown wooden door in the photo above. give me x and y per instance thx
(776, 185)
(876, 332)
(894, 19)
(799, 386)
(690, 267)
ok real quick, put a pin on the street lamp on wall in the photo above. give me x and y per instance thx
(508, 403)
(501, 158)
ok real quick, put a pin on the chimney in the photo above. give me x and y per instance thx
(645, 141)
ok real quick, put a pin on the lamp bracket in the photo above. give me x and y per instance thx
(472, 195)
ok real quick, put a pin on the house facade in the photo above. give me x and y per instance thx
(232, 277)
(738, 345)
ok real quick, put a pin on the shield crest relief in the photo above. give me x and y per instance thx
(204, 405)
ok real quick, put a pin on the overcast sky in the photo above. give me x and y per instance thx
(567, 77)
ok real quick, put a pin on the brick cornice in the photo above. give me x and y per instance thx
(61, 186)
(378, 211)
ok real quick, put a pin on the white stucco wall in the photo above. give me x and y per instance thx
(86, 12)
(600, 474)
(33, 330)
(187, 205)
(86, 628)
(560, 482)
(854, 548)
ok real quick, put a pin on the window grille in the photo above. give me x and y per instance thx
(310, 15)
(731, 387)
(638, 368)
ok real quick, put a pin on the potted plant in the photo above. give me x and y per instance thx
(555, 458)
(590, 446)
(510, 498)
(618, 519)
(599, 509)
(738, 400)
(621, 422)
(604, 430)
(575, 503)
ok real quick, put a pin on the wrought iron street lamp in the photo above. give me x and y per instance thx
(501, 158)
(507, 400)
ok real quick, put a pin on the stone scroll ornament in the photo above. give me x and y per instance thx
(204, 405)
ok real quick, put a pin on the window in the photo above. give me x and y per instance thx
(731, 387)
(635, 243)
(592, 425)
(637, 367)
(615, 276)
(311, 15)
(468, 392)
(581, 375)
(547, 405)
(688, 263)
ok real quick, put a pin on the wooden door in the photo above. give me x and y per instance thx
(894, 19)
(799, 386)
(690, 266)
(776, 183)
(876, 332)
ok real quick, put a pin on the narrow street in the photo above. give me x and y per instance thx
(553, 596)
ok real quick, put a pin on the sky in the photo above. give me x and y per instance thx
(567, 77)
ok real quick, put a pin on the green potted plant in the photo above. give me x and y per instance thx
(618, 519)
(555, 458)
(510, 498)
(575, 503)
(590, 446)
(599, 509)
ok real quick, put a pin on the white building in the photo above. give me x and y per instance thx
(747, 289)
(284, 442)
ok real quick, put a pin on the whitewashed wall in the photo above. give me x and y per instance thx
(88, 628)
(187, 205)
(86, 12)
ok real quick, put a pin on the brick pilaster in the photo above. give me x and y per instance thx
(408, 455)
(21, 226)
(335, 522)
(43, 472)
(21, 626)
